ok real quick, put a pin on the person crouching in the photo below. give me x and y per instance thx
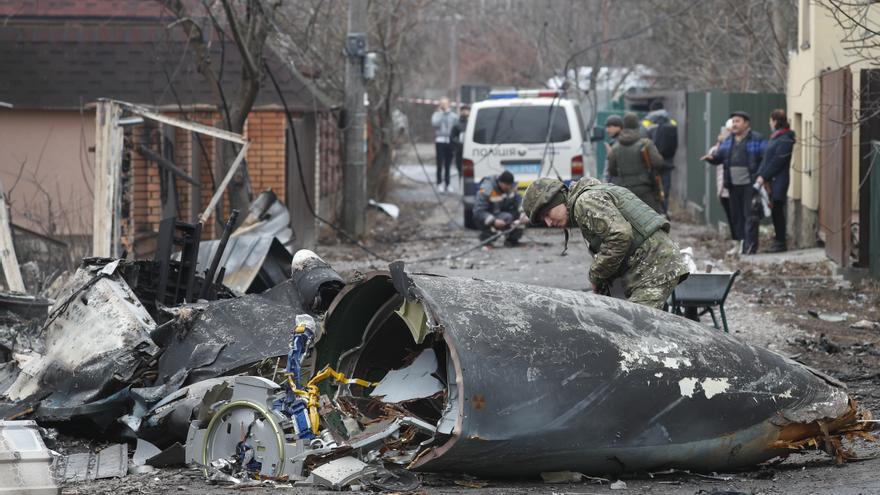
(498, 209)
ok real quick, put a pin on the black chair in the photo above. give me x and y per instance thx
(701, 293)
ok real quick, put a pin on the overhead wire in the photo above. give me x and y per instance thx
(302, 179)
(336, 228)
(428, 178)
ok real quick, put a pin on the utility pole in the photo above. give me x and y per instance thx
(355, 175)
(453, 59)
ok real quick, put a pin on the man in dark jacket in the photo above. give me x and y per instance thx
(662, 129)
(632, 163)
(774, 171)
(741, 154)
(498, 207)
(457, 135)
(613, 126)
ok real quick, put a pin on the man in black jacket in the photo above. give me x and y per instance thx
(456, 136)
(774, 171)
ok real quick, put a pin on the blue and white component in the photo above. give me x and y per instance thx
(293, 405)
(525, 93)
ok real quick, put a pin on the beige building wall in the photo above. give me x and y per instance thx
(46, 163)
(819, 49)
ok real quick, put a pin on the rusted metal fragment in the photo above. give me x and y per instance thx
(542, 379)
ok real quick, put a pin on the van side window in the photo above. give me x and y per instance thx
(521, 124)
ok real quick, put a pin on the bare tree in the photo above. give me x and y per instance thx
(731, 45)
(312, 34)
(860, 32)
(248, 23)
(395, 37)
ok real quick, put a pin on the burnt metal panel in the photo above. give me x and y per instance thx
(835, 163)
(248, 328)
(551, 379)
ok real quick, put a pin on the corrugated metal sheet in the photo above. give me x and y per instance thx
(835, 163)
(253, 263)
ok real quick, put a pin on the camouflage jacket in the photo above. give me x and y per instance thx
(608, 233)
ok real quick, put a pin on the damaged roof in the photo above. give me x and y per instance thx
(64, 62)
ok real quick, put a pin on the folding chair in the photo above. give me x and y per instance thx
(701, 293)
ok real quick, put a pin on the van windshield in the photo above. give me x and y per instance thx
(503, 125)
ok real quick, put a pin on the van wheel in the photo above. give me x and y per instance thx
(469, 217)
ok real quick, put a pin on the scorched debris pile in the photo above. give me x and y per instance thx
(348, 382)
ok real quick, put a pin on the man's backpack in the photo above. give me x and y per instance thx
(665, 137)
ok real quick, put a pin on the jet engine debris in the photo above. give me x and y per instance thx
(519, 381)
(395, 373)
(110, 354)
(258, 255)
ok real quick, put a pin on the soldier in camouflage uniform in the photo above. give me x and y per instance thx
(632, 162)
(627, 238)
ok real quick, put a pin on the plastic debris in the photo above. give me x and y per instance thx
(866, 325)
(339, 473)
(554, 477)
(830, 317)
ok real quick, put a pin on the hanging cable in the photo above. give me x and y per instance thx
(336, 228)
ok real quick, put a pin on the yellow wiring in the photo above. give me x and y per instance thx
(311, 393)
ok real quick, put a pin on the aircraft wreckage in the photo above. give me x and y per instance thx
(502, 379)
(343, 382)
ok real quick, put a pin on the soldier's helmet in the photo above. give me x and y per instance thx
(538, 195)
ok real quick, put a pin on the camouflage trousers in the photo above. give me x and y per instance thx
(654, 269)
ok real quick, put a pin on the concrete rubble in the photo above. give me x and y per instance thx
(330, 383)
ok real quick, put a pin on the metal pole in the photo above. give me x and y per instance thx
(215, 262)
(355, 176)
(11, 270)
(708, 170)
(453, 61)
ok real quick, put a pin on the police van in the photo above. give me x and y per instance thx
(530, 133)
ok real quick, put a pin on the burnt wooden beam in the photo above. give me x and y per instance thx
(166, 164)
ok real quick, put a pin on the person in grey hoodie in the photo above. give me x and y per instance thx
(443, 120)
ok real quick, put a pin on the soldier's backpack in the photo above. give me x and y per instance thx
(665, 137)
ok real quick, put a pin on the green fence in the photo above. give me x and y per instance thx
(873, 188)
(707, 112)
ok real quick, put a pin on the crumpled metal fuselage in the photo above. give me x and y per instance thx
(545, 379)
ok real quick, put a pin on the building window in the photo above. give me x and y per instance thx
(805, 24)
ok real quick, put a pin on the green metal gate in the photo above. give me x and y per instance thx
(874, 212)
(707, 112)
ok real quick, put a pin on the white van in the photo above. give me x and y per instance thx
(531, 133)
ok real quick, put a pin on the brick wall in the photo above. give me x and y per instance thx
(265, 161)
(265, 157)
